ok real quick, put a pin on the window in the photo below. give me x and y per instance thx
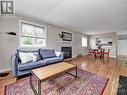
(84, 42)
(32, 35)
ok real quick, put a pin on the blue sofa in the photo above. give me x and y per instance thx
(46, 57)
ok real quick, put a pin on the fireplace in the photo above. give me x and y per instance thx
(67, 52)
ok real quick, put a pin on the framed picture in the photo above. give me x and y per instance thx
(67, 36)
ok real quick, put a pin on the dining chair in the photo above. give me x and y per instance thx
(98, 53)
(90, 53)
(106, 52)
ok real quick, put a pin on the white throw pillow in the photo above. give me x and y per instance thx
(58, 54)
(27, 57)
(34, 57)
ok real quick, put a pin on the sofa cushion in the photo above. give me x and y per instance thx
(31, 65)
(53, 60)
(47, 53)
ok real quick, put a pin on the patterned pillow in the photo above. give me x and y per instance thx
(27, 57)
(35, 53)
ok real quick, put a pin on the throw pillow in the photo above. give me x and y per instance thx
(33, 52)
(26, 57)
(58, 54)
(47, 53)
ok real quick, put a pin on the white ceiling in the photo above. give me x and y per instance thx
(87, 16)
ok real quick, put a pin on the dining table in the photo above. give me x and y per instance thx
(99, 53)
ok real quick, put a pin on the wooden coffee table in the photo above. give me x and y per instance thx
(51, 71)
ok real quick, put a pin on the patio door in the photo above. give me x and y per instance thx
(122, 47)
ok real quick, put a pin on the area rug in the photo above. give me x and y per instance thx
(122, 88)
(85, 84)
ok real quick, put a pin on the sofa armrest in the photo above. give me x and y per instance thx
(60, 54)
(14, 62)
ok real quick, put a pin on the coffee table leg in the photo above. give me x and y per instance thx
(76, 71)
(73, 74)
(39, 86)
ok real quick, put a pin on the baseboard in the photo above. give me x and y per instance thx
(5, 69)
(112, 56)
(85, 54)
(123, 56)
(81, 55)
(74, 56)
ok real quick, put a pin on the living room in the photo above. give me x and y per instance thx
(85, 49)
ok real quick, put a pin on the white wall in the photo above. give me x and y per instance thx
(11, 43)
(112, 48)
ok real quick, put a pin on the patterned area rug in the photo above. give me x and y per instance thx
(85, 84)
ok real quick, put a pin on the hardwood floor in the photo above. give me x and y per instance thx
(111, 70)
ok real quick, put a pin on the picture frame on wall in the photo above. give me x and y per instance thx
(67, 36)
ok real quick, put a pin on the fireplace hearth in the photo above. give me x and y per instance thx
(67, 52)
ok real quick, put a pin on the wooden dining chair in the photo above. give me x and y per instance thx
(106, 52)
(90, 53)
(98, 53)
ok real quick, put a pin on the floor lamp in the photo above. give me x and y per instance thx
(8, 33)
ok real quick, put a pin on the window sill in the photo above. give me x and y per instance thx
(30, 47)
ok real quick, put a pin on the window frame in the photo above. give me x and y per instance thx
(32, 24)
(86, 41)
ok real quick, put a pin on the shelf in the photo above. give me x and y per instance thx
(65, 41)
